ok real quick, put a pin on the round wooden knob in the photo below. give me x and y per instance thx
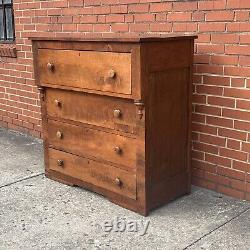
(117, 113)
(59, 134)
(118, 150)
(111, 74)
(60, 163)
(118, 182)
(50, 66)
(57, 103)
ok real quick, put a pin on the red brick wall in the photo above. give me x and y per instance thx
(221, 105)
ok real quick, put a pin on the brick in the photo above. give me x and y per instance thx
(221, 101)
(244, 39)
(197, 173)
(244, 60)
(179, 17)
(216, 80)
(246, 147)
(119, 9)
(241, 15)
(218, 121)
(144, 17)
(237, 82)
(233, 144)
(139, 27)
(185, 6)
(243, 104)
(198, 155)
(217, 178)
(225, 38)
(211, 48)
(218, 160)
(220, 16)
(233, 154)
(115, 18)
(208, 110)
(242, 166)
(75, 3)
(209, 90)
(203, 183)
(184, 27)
(230, 133)
(204, 128)
(236, 114)
(119, 27)
(242, 125)
(224, 60)
(237, 93)
(237, 50)
(214, 140)
(160, 27)
(238, 4)
(212, 27)
(205, 148)
(160, 7)
(234, 174)
(138, 8)
(211, 168)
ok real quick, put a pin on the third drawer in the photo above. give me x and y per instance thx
(94, 143)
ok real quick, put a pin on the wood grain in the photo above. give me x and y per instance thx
(94, 172)
(86, 69)
(102, 113)
(147, 148)
(93, 143)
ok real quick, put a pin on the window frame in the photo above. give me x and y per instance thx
(3, 6)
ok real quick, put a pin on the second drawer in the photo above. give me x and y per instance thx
(90, 142)
(109, 112)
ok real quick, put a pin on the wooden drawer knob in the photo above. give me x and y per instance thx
(59, 134)
(57, 103)
(50, 66)
(118, 182)
(60, 163)
(111, 74)
(117, 113)
(118, 150)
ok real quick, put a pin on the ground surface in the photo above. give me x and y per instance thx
(38, 213)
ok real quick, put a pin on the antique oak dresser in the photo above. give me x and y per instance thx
(116, 115)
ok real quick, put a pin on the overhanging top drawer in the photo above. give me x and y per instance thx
(93, 70)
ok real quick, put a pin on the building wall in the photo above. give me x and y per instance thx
(221, 105)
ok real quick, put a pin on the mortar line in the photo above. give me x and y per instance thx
(23, 179)
(205, 235)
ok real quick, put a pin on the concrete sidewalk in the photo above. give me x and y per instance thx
(38, 213)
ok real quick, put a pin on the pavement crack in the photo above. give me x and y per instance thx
(226, 222)
(23, 179)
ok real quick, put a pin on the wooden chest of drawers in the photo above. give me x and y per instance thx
(116, 116)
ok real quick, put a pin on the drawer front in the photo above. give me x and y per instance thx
(103, 71)
(90, 142)
(109, 112)
(93, 172)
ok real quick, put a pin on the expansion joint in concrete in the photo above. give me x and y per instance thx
(23, 179)
(220, 226)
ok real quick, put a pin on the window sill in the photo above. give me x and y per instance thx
(8, 50)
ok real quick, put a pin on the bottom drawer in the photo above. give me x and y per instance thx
(93, 172)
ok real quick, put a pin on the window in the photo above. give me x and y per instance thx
(6, 21)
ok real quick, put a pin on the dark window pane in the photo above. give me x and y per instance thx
(9, 24)
(1, 25)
